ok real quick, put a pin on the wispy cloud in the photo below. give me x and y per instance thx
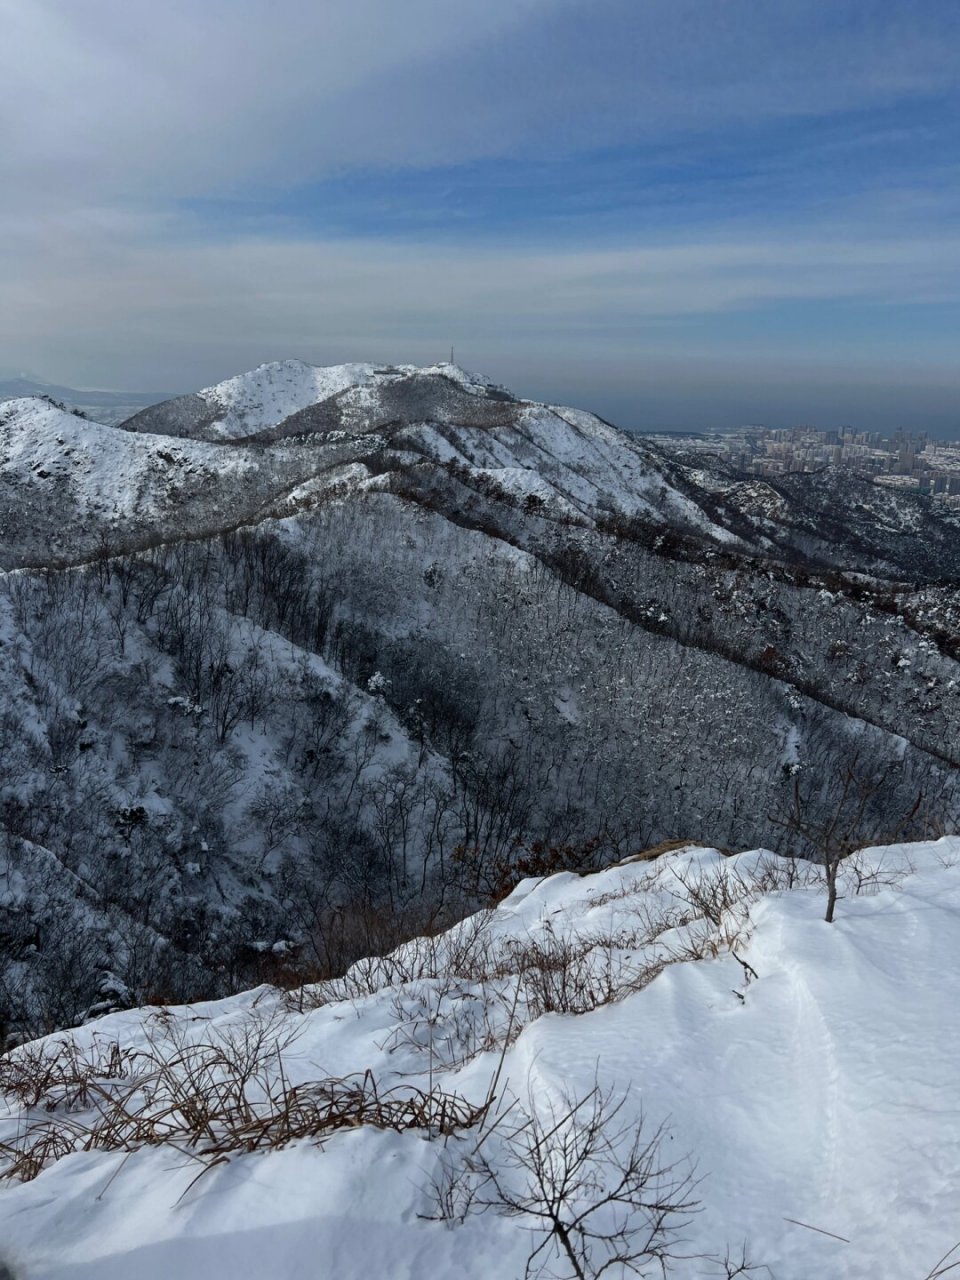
(556, 184)
(184, 99)
(131, 279)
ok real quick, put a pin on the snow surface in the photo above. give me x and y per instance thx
(109, 473)
(254, 401)
(265, 396)
(816, 1089)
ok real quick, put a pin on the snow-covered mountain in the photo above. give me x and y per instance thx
(266, 397)
(317, 658)
(252, 402)
(258, 438)
(71, 486)
(673, 1060)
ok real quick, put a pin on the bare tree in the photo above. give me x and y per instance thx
(594, 1189)
(849, 824)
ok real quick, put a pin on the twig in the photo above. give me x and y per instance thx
(797, 1223)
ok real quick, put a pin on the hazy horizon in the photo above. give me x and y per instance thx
(650, 405)
(680, 215)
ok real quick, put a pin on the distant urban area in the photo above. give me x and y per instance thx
(905, 460)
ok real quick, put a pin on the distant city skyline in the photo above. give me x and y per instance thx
(680, 214)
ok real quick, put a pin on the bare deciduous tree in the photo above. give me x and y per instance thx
(850, 823)
(594, 1188)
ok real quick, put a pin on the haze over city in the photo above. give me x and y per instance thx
(680, 214)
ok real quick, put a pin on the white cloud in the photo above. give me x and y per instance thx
(123, 294)
(147, 100)
(130, 99)
(113, 112)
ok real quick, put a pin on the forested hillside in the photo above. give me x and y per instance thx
(319, 658)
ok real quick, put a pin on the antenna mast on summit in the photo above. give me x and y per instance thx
(451, 353)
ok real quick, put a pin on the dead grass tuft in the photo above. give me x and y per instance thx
(210, 1098)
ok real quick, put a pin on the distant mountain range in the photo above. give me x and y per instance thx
(109, 407)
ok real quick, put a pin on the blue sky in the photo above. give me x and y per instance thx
(785, 170)
(682, 214)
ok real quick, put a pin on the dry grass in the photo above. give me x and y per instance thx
(469, 991)
(60, 1079)
(654, 851)
(209, 1098)
(462, 953)
(211, 1093)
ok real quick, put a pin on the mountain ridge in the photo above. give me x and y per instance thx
(374, 414)
(357, 663)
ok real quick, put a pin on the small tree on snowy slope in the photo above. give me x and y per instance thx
(596, 1190)
(846, 828)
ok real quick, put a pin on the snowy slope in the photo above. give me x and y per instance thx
(263, 398)
(251, 402)
(198, 463)
(812, 1076)
(573, 461)
(69, 486)
(108, 471)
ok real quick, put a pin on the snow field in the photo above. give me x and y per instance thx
(816, 1081)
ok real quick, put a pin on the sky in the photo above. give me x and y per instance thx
(683, 214)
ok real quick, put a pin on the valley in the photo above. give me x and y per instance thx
(318, 658)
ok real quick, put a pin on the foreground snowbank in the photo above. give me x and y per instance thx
(810, 1071)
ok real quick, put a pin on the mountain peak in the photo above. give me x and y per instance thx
(263, 399)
